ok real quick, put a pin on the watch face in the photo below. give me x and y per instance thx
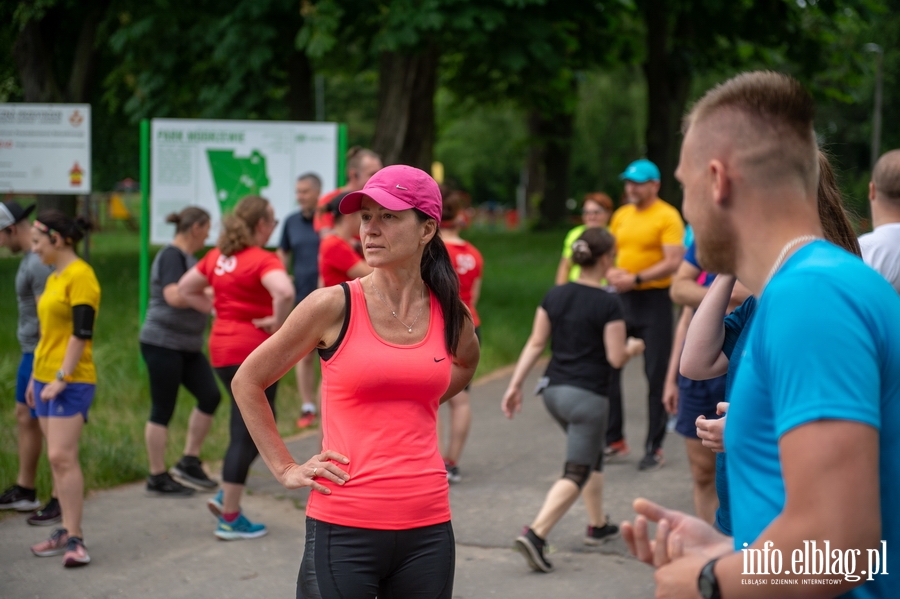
(706, 587)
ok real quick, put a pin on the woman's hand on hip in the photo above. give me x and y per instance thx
(322, 465)
(51, 390)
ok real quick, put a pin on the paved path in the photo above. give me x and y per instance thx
(163, 548)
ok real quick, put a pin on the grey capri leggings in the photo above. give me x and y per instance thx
(582, 414)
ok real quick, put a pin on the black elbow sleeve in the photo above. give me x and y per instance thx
(83, 321)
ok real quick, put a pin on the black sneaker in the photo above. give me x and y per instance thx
(597, 535)
(652, 461)
(190, 468)
(19, 499)
(532, 547)
(163, 484)
(453, 474)
(48, 515)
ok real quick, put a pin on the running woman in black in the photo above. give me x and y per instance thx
(586, 329)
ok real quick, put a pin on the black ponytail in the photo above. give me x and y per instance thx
(440, 276)
(71, 230)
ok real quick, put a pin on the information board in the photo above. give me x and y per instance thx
(213, 164)
(45, 148)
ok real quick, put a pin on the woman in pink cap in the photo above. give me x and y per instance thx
(393, 345)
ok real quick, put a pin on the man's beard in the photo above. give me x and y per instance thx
(716, 249)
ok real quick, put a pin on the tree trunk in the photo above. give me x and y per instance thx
(33, 61)
(668, 83)
(404, 131)
(557, 136)
(34, 53)
(534, 163)
(85, 57)
(300, 100)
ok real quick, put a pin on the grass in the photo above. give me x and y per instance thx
(519, 268)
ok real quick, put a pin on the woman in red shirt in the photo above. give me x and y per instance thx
(393, 346)
(338, 260)
(252, 296)
(468, 263)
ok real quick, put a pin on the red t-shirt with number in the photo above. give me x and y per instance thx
(239, 299)
(468, 263)
(336, 257)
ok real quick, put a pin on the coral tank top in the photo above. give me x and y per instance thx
(379, 408)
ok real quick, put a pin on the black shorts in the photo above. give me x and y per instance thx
(343, 562)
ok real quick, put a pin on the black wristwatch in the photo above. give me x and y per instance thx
(637, 279)
(707, 583)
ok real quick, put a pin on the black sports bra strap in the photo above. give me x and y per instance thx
(327, 352)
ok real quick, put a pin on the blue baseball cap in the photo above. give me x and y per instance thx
(640, 171)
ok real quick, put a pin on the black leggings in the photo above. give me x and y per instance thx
(342, 562)
(241, 448)
(171, 368)
(648, 316)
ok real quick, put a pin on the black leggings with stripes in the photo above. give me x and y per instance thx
(241, 448)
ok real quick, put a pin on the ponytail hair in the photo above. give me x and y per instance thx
(591, 245)
(835, 224)
(440, 276)
(52, 221)
(187, 218)
(238, 227)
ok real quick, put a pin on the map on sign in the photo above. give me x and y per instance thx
(236, 176)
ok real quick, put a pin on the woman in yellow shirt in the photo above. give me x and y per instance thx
(63, 381)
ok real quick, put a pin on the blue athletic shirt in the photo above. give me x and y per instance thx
(824, 344)
(737, 325)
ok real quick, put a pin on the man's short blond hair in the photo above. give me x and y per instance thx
(886, 176)
(775, 113)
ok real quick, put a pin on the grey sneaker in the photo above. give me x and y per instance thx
(532, 547)
(190, 469)
(19, 499)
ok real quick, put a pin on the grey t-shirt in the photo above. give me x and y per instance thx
(173, 328)
(30, 280)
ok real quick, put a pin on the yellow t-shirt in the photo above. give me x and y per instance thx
(76, 285)
(641, 234)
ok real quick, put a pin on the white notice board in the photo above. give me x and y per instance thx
(45, 148)
(213, 164)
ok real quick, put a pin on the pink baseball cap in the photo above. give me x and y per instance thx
(398, 187)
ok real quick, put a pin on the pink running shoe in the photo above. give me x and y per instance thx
(76, 554)
(55, 545)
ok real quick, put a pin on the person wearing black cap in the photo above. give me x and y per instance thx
(15, 234)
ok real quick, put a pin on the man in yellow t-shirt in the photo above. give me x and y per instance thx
(649, 240)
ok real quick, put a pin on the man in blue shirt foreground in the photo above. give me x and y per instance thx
(813, 442)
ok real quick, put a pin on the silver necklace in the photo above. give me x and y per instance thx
(409, 327)
(784, 251)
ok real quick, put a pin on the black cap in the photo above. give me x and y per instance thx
(11, 213)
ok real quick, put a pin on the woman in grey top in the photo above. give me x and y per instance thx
(171, 343)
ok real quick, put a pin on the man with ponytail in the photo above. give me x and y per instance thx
(393, 345)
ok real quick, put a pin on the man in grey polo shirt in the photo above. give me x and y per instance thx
(15, 234)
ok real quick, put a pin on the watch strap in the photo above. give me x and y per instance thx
(707, 583)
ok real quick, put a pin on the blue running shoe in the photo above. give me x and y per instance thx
(239, 529)
(215, 504)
